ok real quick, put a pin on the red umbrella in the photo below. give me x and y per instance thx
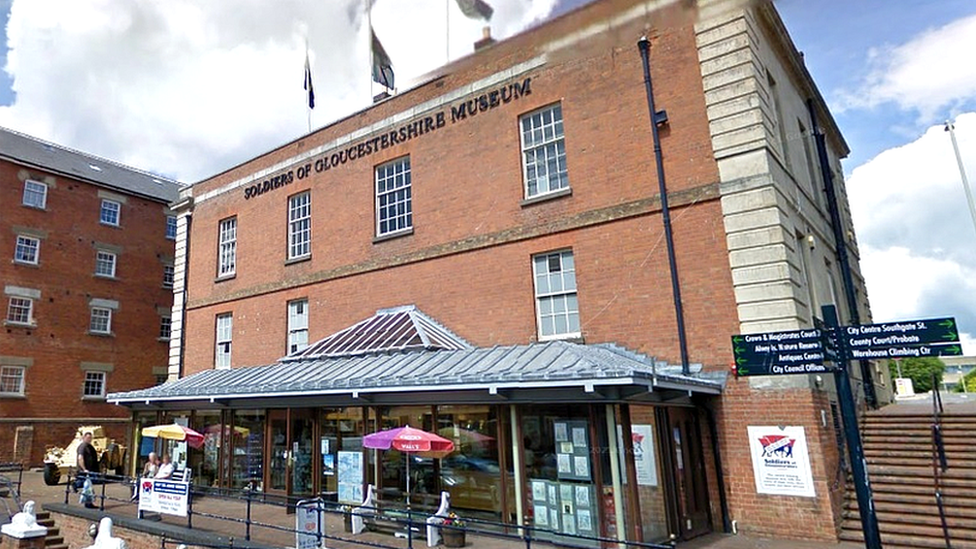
(412, 441)
(174, 431)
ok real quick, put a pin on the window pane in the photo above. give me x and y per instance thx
(110, 212)
(35, 194)
(543, 151)
(556, 300)
(12, 380)
(27, 249)
(393, 197)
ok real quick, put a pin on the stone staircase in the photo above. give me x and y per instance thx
(898, 449)
(53, 539)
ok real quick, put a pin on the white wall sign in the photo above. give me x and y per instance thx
(644, 459)
(162, 496)
(781, 461)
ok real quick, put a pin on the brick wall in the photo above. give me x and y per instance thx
(60, 342)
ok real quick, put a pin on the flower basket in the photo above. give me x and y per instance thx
(453, 538)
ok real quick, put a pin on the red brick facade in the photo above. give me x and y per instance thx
(58, 348)
(468, 260)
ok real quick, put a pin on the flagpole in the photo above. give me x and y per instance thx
(308, 106)
(369, 37)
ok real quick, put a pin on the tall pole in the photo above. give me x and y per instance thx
(840, 241)
(644, 45)
(949, 127)
(848, 412)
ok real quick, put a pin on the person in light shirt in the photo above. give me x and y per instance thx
(165, 468)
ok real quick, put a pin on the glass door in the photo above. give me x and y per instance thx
(302, 453)
(279, 454)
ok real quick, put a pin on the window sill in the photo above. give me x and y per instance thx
(12, 396)
(101, 334)
(568, 191)
(391, 236)
(12, 324)
(105, 277)
(570, 338)
(170, 287)
(93, 398)
(33, 207)
(26, 264)
(163, 339)
(112, 225)
(301, 259)
(224, 278)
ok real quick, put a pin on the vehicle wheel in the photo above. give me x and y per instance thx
(52, 475)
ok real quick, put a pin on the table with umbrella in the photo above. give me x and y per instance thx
(410, 441)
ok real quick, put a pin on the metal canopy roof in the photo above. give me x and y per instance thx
(553, 371)
(396, 329)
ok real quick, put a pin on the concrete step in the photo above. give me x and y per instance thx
(920, 471)
(962, 451)
(882, 498)
(960, 537)
(956, 517)
(901, 540)
(954, 461)
(50, 540)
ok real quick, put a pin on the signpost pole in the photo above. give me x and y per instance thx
(859, 469)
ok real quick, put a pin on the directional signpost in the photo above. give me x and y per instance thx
(776, 353)
(827, 348)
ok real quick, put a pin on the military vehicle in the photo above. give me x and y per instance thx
(59, 461)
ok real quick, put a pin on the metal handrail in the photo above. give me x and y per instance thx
(525, 534)
(939, 462)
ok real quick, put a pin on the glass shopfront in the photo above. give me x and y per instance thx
(571, 476)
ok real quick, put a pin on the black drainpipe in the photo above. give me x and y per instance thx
(657, 119)
(841, 242)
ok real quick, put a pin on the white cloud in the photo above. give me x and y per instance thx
(189, 88)
(931, 73)
(917, 237)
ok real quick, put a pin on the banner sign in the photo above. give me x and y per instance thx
(169, 497)
(780, 461)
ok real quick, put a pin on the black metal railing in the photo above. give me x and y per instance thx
(409, 523)
(11, 484)
(939, 462)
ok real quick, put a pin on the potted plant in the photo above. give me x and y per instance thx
(453, 533)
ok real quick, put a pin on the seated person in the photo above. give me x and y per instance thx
(165, 468)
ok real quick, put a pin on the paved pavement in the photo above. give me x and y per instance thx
(117, 504)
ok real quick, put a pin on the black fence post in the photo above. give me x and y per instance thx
(189, 506)
(67, 488)
(101, 504)
(247, 518)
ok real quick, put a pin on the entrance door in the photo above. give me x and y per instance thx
(689, 472)
(291, 452)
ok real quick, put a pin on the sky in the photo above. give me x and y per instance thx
(188, 88)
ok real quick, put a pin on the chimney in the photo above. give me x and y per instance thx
(486, 39)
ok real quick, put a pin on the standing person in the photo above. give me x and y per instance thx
(87, 463)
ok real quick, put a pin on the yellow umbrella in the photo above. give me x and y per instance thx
(174, 431)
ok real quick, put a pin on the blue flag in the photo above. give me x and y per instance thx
(308, 83)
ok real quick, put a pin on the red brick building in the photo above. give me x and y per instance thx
(503, 221)
(87, 281)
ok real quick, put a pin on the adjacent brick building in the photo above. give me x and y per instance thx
(513, 198)
(88, 247)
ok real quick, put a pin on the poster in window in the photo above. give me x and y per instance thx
(585, 520)
(581, 466)
(541, 513)
(645, 460)
(561, 435)
(579, 436)
(582, 496)
(350, 477)
(539, 491)
(562, 463)
(781, 461)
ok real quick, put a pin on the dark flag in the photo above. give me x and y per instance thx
(476, 9)
(308, 83)
(382, 66)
